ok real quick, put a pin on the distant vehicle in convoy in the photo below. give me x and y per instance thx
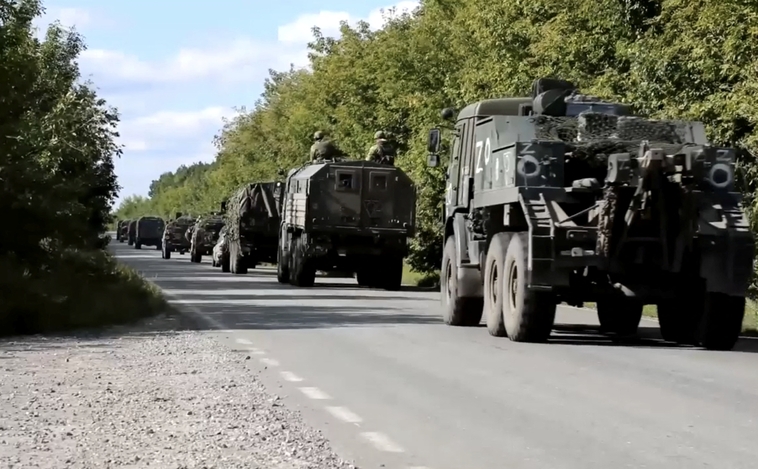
(220, 256)
(131, 232)
(122, 230)
(567, 198)
(149, 232)
(354, 216)
(174, 235)
(203, 236)
(252, 217)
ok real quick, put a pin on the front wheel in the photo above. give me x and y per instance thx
(456, 311)
(282, 266)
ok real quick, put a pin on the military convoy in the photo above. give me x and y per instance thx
(252, 220)
(561, 197)
(353, 216)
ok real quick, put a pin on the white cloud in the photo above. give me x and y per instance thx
(300, 30)
(167, 129)
(73, 17)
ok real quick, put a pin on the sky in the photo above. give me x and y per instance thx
(175, 69)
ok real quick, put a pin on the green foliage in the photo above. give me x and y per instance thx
(669, 58)
(57, 181)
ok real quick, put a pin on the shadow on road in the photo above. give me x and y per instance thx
(648, 337)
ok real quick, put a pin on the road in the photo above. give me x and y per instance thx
(393, 387)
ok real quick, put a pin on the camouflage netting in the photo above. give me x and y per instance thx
(252, 202)
(594, 134)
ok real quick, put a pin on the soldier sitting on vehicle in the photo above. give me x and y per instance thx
(382, 151)
(323, 148)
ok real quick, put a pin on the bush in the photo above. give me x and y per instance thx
(57, 187)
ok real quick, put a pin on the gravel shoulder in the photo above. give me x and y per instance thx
(160, 394)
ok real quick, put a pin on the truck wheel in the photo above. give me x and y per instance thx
(529, 315)
(619, 316)
(365, 277)
(225, 263)
(199, 258)
(237, 262)
(493, 284)
(391, 278)
(282, 267)
(166, 253)
(137, 244)
(302, 274)
(456, 311)
(721, 322)
(130, 242)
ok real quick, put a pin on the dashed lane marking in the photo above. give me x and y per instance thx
(244, 342)
(290, 376)
(382, 442)
(269, 362)
(344, 414)
(314, 393)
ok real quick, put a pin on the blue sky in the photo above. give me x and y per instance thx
(175, 69)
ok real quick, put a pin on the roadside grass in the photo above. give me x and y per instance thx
(749, 324)
(81, 290)
(417, 279)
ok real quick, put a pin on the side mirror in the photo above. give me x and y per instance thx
(434, 142)
(178, 215)
(433, 160)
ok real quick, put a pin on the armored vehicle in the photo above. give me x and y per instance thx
(203, 236)
(131, 232)
(148, 232)
(174, 235)
(252, 217)
(566, 198)
(353, 216)
(122, 230)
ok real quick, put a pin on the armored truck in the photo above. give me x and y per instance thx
(149, 232)
(131, 232)
(252, 217)
(174, 235)
(562, 197)
(204, 235)
(354, 216)
(122, 230)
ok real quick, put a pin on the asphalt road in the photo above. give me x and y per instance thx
(393, 387)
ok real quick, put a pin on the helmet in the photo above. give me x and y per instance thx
(318, 135)
(379, 134)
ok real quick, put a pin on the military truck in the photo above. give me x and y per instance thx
(252, 217)
(131, 232)
(149, 231)
(122, 230)
(561, 197)
(203, 236)
(174, 239)
(354, 216)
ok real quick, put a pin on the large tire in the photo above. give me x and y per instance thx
(456, 311)
(137, 244)
(225, 262)
(282, 267)
(708, 319)
(302, 272)
(166, 253)
(529, 315)
(619, 316)
(391, 278)
(494, 282)
(236, 261)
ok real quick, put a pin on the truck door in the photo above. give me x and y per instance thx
(466, 158)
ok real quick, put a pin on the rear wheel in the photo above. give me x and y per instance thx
(456, 311)
(237, 261)
(302, 272)
(494, 284)
(709, 319)
(529, 315)
(282, 266)
(137, 244)
(225, 262)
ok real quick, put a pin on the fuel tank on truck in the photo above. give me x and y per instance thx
(351, 197)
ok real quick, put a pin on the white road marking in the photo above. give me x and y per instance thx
(382, 442)
(291, 377)
(344, 414)
(269, 362)
(244, 342)
(314, 393)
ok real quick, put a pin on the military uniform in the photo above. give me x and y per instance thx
(382, 151)
(323, 148)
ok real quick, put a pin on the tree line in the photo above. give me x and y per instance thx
(667, 58)
(57, 185)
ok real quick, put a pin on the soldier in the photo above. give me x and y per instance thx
(382, 151)
(323, 148)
